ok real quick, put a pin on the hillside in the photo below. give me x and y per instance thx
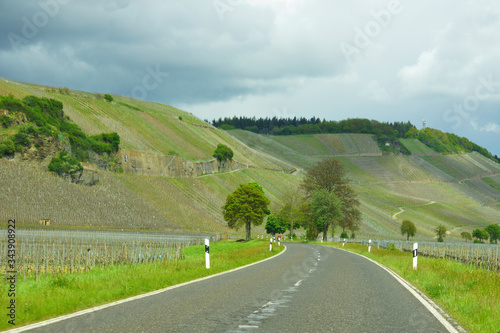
(162, 188)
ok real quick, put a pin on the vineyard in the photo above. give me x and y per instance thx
(43, 252)
(485, 256)
(416, 147)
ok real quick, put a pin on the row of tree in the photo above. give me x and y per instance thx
(491, 232)
(323, 202)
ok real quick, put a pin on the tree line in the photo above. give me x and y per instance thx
(385, 132)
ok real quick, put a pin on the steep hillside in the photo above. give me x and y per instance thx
(162, 188)
(144, 126)
(460, 191)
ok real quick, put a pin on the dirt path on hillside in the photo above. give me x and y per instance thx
(402, 210)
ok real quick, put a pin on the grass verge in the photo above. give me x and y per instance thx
(51, 297)
(469, 295)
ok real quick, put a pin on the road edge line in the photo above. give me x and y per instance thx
(433, 308)
(133, 298)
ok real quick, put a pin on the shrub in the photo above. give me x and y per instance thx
(391, 247)
(21, 139)
(5, 121)
(64, 164)
(7, 147)
(108, 97)
(223, 153)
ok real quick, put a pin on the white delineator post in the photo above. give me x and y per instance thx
(343, 243)
(369, 245)
(207, 253)
(271, 244)
(415, 255)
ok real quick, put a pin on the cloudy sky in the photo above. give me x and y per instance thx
(389, 60)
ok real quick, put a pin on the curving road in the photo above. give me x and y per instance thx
(308, 288)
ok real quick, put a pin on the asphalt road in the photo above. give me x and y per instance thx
(306, 289)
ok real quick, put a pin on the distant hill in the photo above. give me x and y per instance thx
(389, 136)
(160, 189)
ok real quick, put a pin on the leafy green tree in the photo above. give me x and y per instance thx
(223, 153)
(275, 225)
(108, 97)
(326, 210)
(480, 235)
(409, 229)
(466, 235)
(494, 231)
(64, 164)
(440, 233)
(247, 205)
(292, 212)
(330, 175)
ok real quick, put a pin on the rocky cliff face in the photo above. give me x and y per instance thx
(84, 177)
(171, 166)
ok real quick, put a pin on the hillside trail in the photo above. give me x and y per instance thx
(401, 209)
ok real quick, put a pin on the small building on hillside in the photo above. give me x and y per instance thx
(44, 222)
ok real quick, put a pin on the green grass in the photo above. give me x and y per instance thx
(415, 146)
(51, 297)
(492, 182)
(469, 295)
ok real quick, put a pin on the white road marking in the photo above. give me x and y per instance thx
(431, 307)
(101, 307)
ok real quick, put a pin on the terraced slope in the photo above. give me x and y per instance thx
(303, 150)
(146, 126)
(416, 147)
(461, 192)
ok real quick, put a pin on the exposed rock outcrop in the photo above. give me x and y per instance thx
(172, 166)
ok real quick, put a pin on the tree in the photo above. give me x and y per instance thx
(330, 175)
(326, 210)
(223, 153)
(466, 235)
(247, 205)
(64, 163)
(291, 213)
(275, 225)
(494, 231)
(481, 235)
(441, 233)
(108, 97)
(408, 229)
